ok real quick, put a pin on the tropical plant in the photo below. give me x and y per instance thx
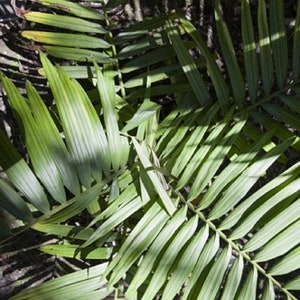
(198, 199)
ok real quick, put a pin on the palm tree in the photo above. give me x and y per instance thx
(196, 200)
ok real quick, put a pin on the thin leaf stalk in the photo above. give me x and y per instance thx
(234, 246)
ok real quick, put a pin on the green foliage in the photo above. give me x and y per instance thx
(201, 201)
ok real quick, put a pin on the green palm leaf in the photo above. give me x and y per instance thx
(198, 202)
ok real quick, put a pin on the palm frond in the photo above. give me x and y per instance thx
(201, 202)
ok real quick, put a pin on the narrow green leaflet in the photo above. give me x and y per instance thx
(266, 63)
(233, 279)
(294, 284)
(220, 85)
(50, 136)
(144, 112)
(280, 244)
(13, 203)
(206, 256)
(76, 54)
(249, 48)
(66, 39)
(269, 293)
(276, 225)
(279, 41)
(167, 260)
(184, 153)
(244, 183)
(121, 215)
(73, 8)
(236, 78)
(83, 130)
(188, 65)
(206, 147)
(214, 160)
(287, 264)
(117, 144)
(186, 264)
(214, 279)
(248, 289)
(232, 171)
(267, 191)
(40, 156)
(74, 251)
(65, 22)
(157, 249)
(167, 202)
(290, 190)
(138, 241)
(71, 286)
(73, 232)
(73, 206)
(21, 175)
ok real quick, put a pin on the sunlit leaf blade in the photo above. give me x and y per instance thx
(73, 8)
(233, 279)
(153, 177)
(117, 144)
(232, 171)
(52, 139)
(76, 54)
(220, 86)
(248, 289)
(138, 241)
(74, 232)
(266, 63)
(215, 136)
(215, 276)
(296, 46)
(290, 190)
(39, 153)
(249, 48)
(84, 133)
(243, 184)
(265, 193)
(168, 258)
(74, 251)
(280, 244)
(21, 175)
(73, 206)
(66, 39)
(293, 284)
(206, 256)
(279, 41)
(65, 22)
(150, 259)
(144, 112)
(186, 264)
(71, 286)
(183, 154)
(13, 203)
(287, 264)
(109, 225)
(214, 160)
(236, 79)
(269, 293)
(278, 223)
(188, 65)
